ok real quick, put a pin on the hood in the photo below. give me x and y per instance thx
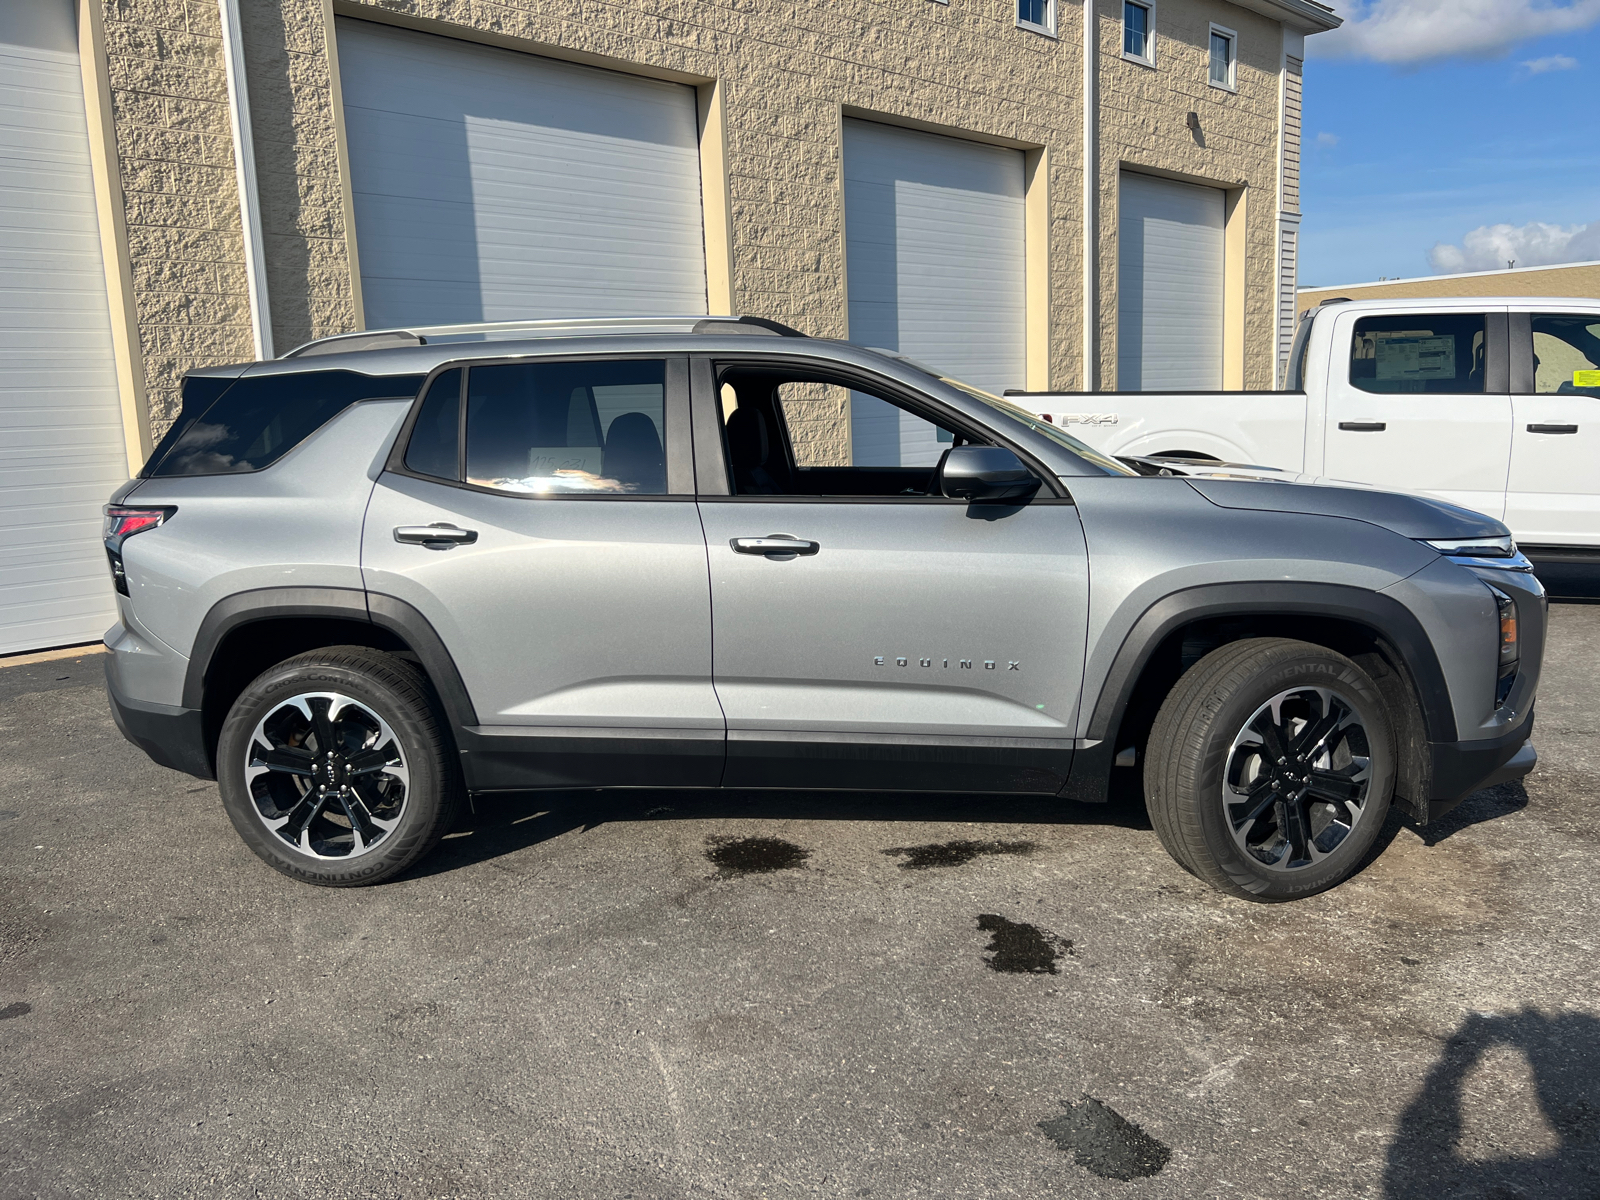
(1410, 516)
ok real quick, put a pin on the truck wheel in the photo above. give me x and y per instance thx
(1270, 769)
(335, 768)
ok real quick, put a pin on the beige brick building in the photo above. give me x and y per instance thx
(1041, 194)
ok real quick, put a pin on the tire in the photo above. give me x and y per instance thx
(390, 792)
(1279, 826)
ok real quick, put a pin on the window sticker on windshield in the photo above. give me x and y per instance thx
(1586, 379)
(1415, 357)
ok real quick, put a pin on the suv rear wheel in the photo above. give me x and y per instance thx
(1270, 768)
(335, 769)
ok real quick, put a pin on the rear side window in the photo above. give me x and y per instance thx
(433, 448)
(568, 427)
(1566, 354)
(1418, 353)
(255, 422)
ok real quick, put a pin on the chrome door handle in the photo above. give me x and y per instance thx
(1363, 426)
(438, 536)
(774, 544)
(1552, 429)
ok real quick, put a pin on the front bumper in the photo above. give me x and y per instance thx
(1461, 768)
(172, 737)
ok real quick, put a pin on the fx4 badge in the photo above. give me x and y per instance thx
(961, 664)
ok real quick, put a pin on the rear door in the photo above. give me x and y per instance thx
(1554, 495)
(918, 642)
(1421, 402)
(540, 516)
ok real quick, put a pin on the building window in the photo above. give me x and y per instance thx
(1224, 58)
(1039, 15)
(1138, 32)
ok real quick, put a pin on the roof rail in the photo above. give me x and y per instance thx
(422, 335)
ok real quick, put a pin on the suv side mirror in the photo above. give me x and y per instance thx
(985, 473)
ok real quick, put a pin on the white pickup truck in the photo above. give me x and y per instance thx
(1492, 403)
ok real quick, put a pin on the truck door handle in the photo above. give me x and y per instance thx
(773, 545)
(438, 536)
(1552, 429)
(1363, 426)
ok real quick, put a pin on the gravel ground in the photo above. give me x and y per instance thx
(661, 995)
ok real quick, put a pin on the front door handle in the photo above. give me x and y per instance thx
(1552, 429)
(438, 536)
(1363, 426)
(774, 545)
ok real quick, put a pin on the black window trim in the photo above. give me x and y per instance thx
(675, 419)
(711, 461)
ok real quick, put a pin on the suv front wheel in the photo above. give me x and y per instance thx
(335, 768)
(1270, 768)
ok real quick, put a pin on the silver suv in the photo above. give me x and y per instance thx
(393, 568)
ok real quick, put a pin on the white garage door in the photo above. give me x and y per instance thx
(492, 185)
(1169, 286)
(934, 244)
(61, 447)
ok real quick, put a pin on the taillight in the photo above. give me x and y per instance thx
(122, 522)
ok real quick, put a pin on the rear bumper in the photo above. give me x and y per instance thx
(1461, 768)
(172, 737)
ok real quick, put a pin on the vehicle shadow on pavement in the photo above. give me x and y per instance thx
(1488, 805)
(1562, 1052)
(503, 823)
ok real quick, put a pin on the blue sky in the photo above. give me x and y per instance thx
(1402, 156)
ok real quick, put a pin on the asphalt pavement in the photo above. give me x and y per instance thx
(658, 995)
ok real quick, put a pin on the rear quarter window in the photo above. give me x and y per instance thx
(256, 421)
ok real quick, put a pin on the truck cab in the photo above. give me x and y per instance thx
(1491, 403)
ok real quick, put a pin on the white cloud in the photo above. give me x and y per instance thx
(1414, 31)
(1555, 62)
(1327, 139)
(1490, 247)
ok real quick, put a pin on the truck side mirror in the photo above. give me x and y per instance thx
(984, 474)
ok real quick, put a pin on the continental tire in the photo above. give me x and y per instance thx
(1270, 769)
(336, 769)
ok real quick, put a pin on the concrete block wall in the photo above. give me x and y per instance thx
(169, 103)
(788, 69)
(1143, 114)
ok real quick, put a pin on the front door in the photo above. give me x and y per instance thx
(1554, 495)
(903, 640)
(540, 516)
(1420, 402)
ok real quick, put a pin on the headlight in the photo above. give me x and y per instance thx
(1507, 674)
(1492, 547)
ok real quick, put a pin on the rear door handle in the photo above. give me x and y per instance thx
(439, 536)
(1552, 429)
(774, 545)
(1363, 426)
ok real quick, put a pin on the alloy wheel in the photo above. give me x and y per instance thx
(327, 775)
(1298, 778)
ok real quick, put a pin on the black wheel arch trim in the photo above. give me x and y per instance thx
(1384, 616)
(351, 604)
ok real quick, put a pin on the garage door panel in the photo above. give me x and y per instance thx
(61, 443)
(496, 185)
(934, 232)
(1170, 285)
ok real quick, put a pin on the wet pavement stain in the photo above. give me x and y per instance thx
(19, 1009)
(954, 854)
(1021, 949)
(753, 856)
(1105, 1142)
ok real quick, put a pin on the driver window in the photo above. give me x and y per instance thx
(810, 436)
(1566, 355)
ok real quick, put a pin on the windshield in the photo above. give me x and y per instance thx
(1039, 425)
